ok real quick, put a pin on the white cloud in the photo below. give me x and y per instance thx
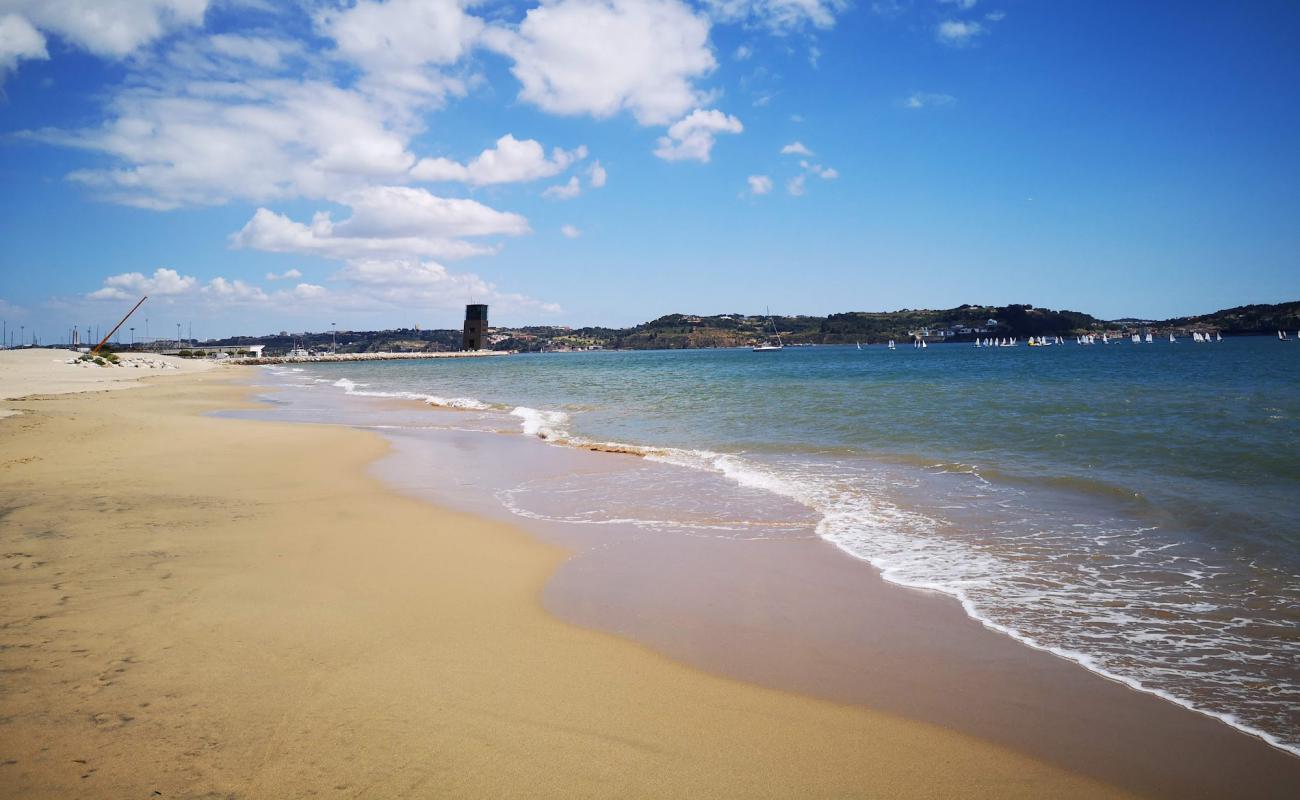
(795, 185)
(401, 44)
(404, 283)
(287, 275)
(261, 51)
(928, 100)
(398, 34)
(995, 16)
(601, 57)
(825, 173)
(759, 184)
(208, 142)
(778, 16)
(19, 40)
(307, 291)
(563, 191)
(228, 117)
(596, 175)
(964, 5)
(958, 32)
(795, 148)
(386, 221)
(692, 136)
(110, 28)
(132, 285)
(743, 53)
(235, 291)
(570, 232)
(511, 161)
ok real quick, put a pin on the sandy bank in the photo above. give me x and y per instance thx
(40, 371)
(199, 606)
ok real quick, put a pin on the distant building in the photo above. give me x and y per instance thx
(476, 325)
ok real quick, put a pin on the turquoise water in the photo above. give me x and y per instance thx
(1131, 507)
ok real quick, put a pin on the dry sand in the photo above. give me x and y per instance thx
(40, 371)
(205, 607)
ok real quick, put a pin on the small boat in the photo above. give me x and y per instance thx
(1281, 335)
(1218, 337)
(1136, 339)
(1172, 340)
(891, 344)
(859, 344)
(768, 346)
(1148, 339)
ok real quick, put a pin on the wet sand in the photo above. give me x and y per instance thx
(797, 614)
(204, 607)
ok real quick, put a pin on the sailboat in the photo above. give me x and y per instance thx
(1148, 339)
(1136, 339)
(767, 346)
(1218, 337)
(891, 344)
(859, 344)
(1172, 340)
(1281, 335)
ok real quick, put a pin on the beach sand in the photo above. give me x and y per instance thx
(206, 607)
(40, 371)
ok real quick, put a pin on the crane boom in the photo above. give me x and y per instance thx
(119, 324)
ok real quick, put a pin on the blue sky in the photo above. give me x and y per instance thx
(257, 166)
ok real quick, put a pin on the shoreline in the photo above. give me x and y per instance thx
(800, 615)
(269, 620)
(957, 672)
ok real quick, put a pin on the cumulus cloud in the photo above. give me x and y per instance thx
(385, 221)
(957, 33)
(510, 161)
(401, 44)
(402, 283)
(602, 57)
(563, 191)
(288, 274)
(795, 149)
(759, 184)
(398, 34)
(262, 51)
(570, 232)
(231, 116)
(928, 100)
(109, 28)
(133, 285)
(692, 136)
(208, 142)
(234, 291)
(796, 186)
(778, 16)
(596, 175)
(19, 41)
(825, 173)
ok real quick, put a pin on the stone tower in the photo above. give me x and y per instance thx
(476, 324)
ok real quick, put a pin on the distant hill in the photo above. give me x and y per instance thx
(689, 331)
(1256, 319)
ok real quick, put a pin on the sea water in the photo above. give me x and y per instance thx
(1132, 507)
